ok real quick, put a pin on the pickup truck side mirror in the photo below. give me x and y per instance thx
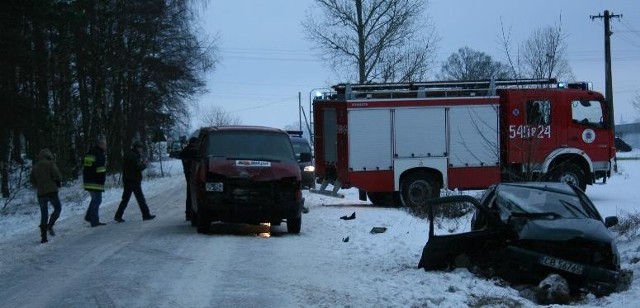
(610, 221)
(305, 157)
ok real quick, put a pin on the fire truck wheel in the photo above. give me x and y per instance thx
(571, 174)
(417, 188)
(383, 199)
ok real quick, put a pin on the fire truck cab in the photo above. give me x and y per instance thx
(402, 143)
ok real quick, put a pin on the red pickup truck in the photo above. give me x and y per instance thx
(246, 174)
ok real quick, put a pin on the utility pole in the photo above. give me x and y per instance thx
(300, 111)
(607, 63)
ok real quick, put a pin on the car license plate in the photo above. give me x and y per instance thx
(562, 265)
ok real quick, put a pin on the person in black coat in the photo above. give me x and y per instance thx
(188, 155)
(132, 166)
(93, 176)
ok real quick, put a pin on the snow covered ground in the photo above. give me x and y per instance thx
(318, 267)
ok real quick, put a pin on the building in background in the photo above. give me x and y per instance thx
(629, 133)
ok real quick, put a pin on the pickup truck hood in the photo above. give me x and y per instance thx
(253, 170)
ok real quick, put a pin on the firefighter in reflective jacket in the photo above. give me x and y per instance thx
(94, 175)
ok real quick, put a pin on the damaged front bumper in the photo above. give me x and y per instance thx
(599, 281)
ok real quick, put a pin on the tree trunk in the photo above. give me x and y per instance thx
(361, 43)
(4, 162)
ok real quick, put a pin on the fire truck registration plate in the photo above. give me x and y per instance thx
(562, 265)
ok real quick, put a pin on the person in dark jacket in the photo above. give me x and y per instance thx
(188, 155)
(132, 166)
(46, 178)
(94, 174)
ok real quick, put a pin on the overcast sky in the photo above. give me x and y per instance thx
(265, 60)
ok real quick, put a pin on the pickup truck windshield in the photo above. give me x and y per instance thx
(253, 145)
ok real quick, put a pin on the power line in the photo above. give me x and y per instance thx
(627, 39)
(627, 25)
(264, 105)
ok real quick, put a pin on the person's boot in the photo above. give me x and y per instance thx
(52, 221)
(43, 234)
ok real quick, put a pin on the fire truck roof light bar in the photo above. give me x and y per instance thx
(444, 84)
(437, 88)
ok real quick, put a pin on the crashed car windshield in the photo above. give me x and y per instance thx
(531, 201)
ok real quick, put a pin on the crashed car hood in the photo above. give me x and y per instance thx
(254, 170)
(565, 229)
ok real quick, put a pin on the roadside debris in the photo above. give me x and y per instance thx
(375, 230)
(352, 216)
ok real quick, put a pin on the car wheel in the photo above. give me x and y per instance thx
(570, 174)
(204, 221)
(417, 188)
(294, 225)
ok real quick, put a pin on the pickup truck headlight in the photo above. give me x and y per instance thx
(214, 186)
(309, 169)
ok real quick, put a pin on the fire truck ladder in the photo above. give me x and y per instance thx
(428, 89)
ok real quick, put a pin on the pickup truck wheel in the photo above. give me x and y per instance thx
(570, 174)
(194, 218)
(416, 188)
(204, 221)
(294, 225)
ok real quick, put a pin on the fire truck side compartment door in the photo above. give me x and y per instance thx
(420, 132)
(369, 139)
(474, 139)
(330, 135)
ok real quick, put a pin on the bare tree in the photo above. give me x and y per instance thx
(542, 55)
(217, 116)
(469, 64)
(381, 40)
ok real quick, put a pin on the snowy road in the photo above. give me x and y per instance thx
(159, 263)
(164, 263)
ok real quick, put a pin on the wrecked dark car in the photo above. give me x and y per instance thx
(526, 231)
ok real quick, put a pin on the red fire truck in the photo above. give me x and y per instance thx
(404, 142)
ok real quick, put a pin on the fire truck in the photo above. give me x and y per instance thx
(402, 143)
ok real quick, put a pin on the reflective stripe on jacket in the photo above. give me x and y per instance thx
(94, 171)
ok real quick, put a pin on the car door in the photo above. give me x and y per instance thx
(458, 247)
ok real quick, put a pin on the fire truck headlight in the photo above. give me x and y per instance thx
(214, 187)
(309, 169)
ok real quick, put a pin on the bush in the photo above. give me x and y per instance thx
(456, 210)
(628, 225)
